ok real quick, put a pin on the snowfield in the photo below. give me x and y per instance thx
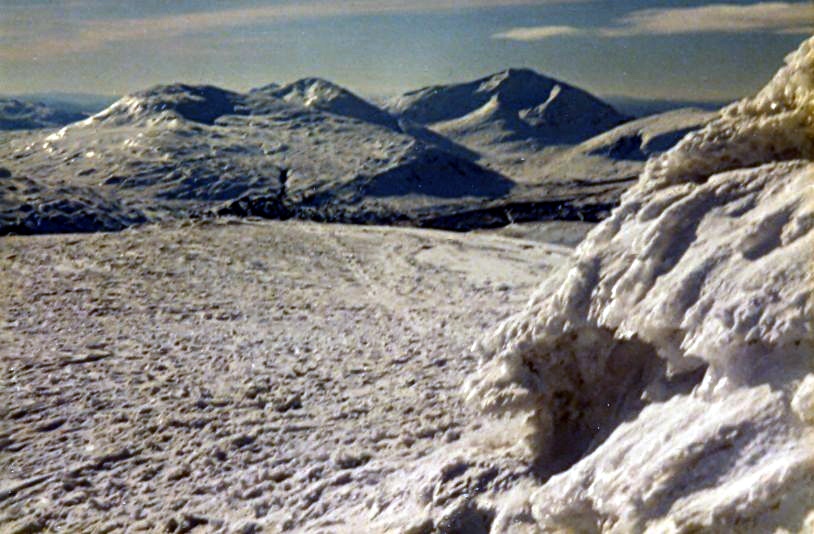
(242, 376)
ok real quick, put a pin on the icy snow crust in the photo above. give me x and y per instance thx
(665, 383)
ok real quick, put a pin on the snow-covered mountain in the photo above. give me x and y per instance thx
(177, 150)
(315, 150)
(641, 138)
(195, 103)
(514, 105)
(19, 115)
(316, 93)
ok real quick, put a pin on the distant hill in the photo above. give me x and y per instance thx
(69, 102)
(515, 105)
(18, 115)
(642, 107)
(196, 103)
(321, 94)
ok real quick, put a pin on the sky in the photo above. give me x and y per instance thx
(681, 50)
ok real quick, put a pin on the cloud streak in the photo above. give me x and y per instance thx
(770, 17)
(91, 35)
(538, 33)
(764, 17)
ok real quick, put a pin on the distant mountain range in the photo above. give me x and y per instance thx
(642, 107)
(73, 102)
(512, 146)
(19, 115)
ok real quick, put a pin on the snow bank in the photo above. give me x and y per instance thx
(666, 382)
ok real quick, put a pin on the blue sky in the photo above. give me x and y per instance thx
(687, 49)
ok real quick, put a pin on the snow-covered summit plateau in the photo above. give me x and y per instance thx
(665, 381)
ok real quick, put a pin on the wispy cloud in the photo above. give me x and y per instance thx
(765, 17)
(770, 17)
(537, 33)
(90, 35)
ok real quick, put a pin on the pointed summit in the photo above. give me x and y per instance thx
(521, 103)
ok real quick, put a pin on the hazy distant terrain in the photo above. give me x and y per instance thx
(483, 154)
(642, 107)
(19, 115)
(87, 103)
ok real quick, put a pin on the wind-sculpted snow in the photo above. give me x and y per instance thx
(665, 382)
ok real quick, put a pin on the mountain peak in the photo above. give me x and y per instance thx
(197, 103)
(527, 105)
(324, 95)
(518, 72)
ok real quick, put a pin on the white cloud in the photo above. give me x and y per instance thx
(772, 17)
(537, 33)
(766, 17)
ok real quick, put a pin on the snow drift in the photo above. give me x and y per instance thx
(665, 382)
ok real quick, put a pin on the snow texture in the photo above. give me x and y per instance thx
(665, 382)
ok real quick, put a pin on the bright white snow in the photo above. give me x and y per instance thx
(665, 382)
